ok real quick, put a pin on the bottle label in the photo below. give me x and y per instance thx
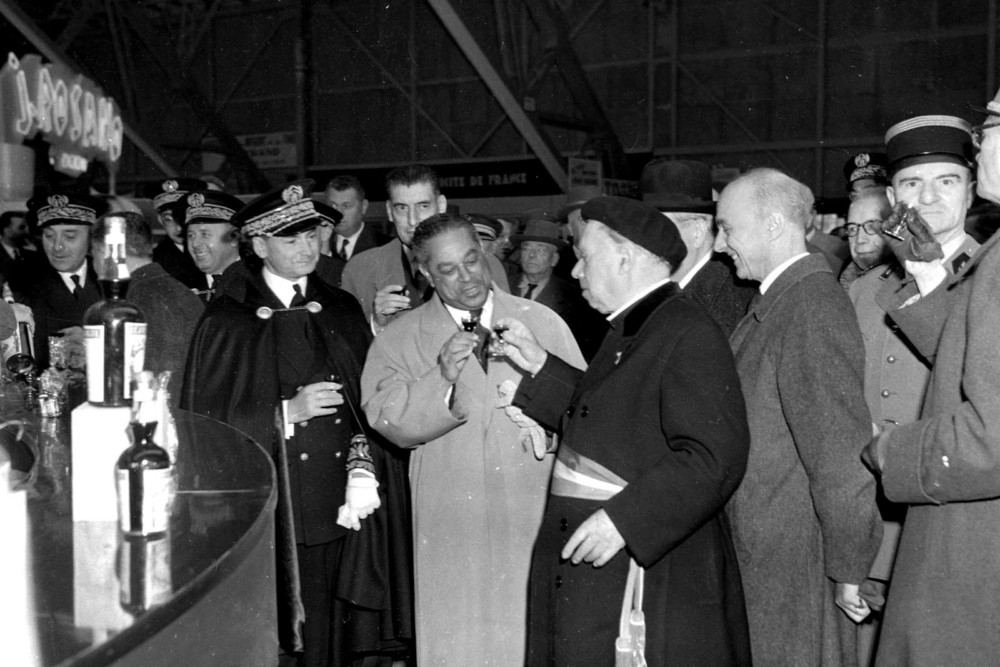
(135, 353)
(146, 511)
(94, 348)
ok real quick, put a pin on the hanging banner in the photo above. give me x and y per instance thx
(70, 111)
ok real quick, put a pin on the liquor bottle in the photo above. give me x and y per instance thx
(115, 330)
(144, 475)
(144, 576)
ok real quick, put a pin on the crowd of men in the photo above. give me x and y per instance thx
(787, 439)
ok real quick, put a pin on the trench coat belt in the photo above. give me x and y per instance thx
(576, 476)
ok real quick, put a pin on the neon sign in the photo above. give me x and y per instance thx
(72, 113)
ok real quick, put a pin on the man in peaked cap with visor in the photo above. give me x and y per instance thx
(944, 600)
(654, 441)
(279, 357)
(68, 286)
(171, 253)
(212, 239)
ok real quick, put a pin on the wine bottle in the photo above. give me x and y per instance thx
(144, 475)
(115, 329)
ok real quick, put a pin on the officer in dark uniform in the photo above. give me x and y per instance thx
(171, 253)
(279, 357)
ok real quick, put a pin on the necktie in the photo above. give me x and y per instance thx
(343, 250)
(76, 286)
(482, 347)
(528, 293)
(298, 299)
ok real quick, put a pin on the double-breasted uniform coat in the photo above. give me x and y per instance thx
(943, 606)
(661, 407)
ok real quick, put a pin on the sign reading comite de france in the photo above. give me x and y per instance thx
(71, 112)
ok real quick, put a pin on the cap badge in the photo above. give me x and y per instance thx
(170, 186)
(58, 201)
(196, 200)
(862, 160)
(292, 194)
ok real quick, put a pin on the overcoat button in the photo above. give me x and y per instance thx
(584, 412)
(891, 359)
(304, 456)
(563, 525)
(885, 393)
(558, 581)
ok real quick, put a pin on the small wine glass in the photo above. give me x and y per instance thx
(469, 322)
(497, 347)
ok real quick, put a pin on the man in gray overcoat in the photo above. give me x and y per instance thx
(805, 524)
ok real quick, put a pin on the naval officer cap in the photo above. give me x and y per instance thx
(209, 207)
(926, 139)
(173, 190)
(285, 211)
(63, 209)
(866, 165)
(640, 223)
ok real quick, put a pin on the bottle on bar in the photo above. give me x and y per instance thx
(144, 475)
(115, 330)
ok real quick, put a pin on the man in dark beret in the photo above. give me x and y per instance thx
(654, 441)
(804, 520)
(278, 355)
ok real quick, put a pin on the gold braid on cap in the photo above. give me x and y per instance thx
(60, 208)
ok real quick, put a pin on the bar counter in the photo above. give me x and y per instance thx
(203, 594)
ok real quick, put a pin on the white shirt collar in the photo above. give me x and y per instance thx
(485, 319)
(283, 288)
(538, 286)
(351, 240)
(683, 282)
(637, 298)
(778, 270)
(68, 281)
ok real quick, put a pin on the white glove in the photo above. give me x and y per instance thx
(361, 499)
(532, 435)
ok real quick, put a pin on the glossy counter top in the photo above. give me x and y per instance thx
(101, 598)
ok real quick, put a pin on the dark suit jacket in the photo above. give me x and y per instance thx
(660, 406)
(22, 272)
(56, 308)
(178, 264)
(716, 289)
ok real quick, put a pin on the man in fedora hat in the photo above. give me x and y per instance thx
(682, 191)
(540, 247)
(278, 356)
(945, 594)
(654, 441)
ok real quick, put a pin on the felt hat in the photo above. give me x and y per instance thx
(208, 207)
(577, 197)
(640, 223)
(542, 229)
(992, 111)
(867, 165)
(173, 189)
(284, 211)
(926, 139)
(677, 186)
(63, 209)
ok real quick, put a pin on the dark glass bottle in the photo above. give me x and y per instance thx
(144, 574)
(144, 475)
(115, 329)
